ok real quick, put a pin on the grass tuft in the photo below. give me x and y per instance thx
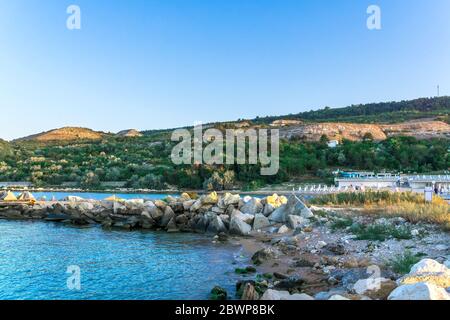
(402, 263)
(380, 232)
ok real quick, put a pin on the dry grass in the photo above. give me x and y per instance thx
(408, 205)
(435, 212)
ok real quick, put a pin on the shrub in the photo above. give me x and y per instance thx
(402, 263)
(380, 232)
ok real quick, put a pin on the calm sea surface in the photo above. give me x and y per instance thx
(34, 257)
(97, 195)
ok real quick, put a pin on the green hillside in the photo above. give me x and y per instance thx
(386, 112)
(144, 162)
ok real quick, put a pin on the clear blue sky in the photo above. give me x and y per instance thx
(155, 64)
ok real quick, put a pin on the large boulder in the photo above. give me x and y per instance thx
(268, 209)
(211, 198)
(155, 211)
(271, 294)
(247, 218)
(338, 297)
(297, 221)
(447, 263)
(201, 223)
(419, 291)
(249, 292)
(196, 205)
(263, 255)
(73, 199)
(160, 204)
(156, 214)
(253, 206)
(85, 207)
(185, 197)
(230, 199)
(147, 221)
(375, 288)
(428, 265)
(294, 207)
(260, 222)
(188, 204)
(276, 201)
(134, 203)
(216, 225)
(168, 215)
(239, 227)
(172, 226)
(283, 229)
(430, 271)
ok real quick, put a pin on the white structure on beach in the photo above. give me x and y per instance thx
(368, 180)
(419, 182)
(388, 180)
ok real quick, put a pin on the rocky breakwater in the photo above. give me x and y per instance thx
(210, 213)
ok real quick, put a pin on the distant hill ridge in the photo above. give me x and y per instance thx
(65, 134)
(388, 112)
(424, 118)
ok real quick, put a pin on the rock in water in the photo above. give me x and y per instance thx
(419, 291)
(216, 225)
(239, 227)
(249, 292)
(262, 255)
(260, 222)
(218, 293)
(168, 215)
(172, 226)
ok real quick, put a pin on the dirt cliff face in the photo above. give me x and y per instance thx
(334, 131)
(130, 133)
(355, 132)
(65, 134)
(418, 129)
(285, 123)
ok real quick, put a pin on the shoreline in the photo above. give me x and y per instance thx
(294, 252)
(149, 191)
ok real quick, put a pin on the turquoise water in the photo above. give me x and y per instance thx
(34, 257)
(97, 195)
(101, 195)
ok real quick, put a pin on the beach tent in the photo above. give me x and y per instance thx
(26, 196)
(9, 196)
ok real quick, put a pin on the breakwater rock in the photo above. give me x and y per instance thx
(210, 213)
